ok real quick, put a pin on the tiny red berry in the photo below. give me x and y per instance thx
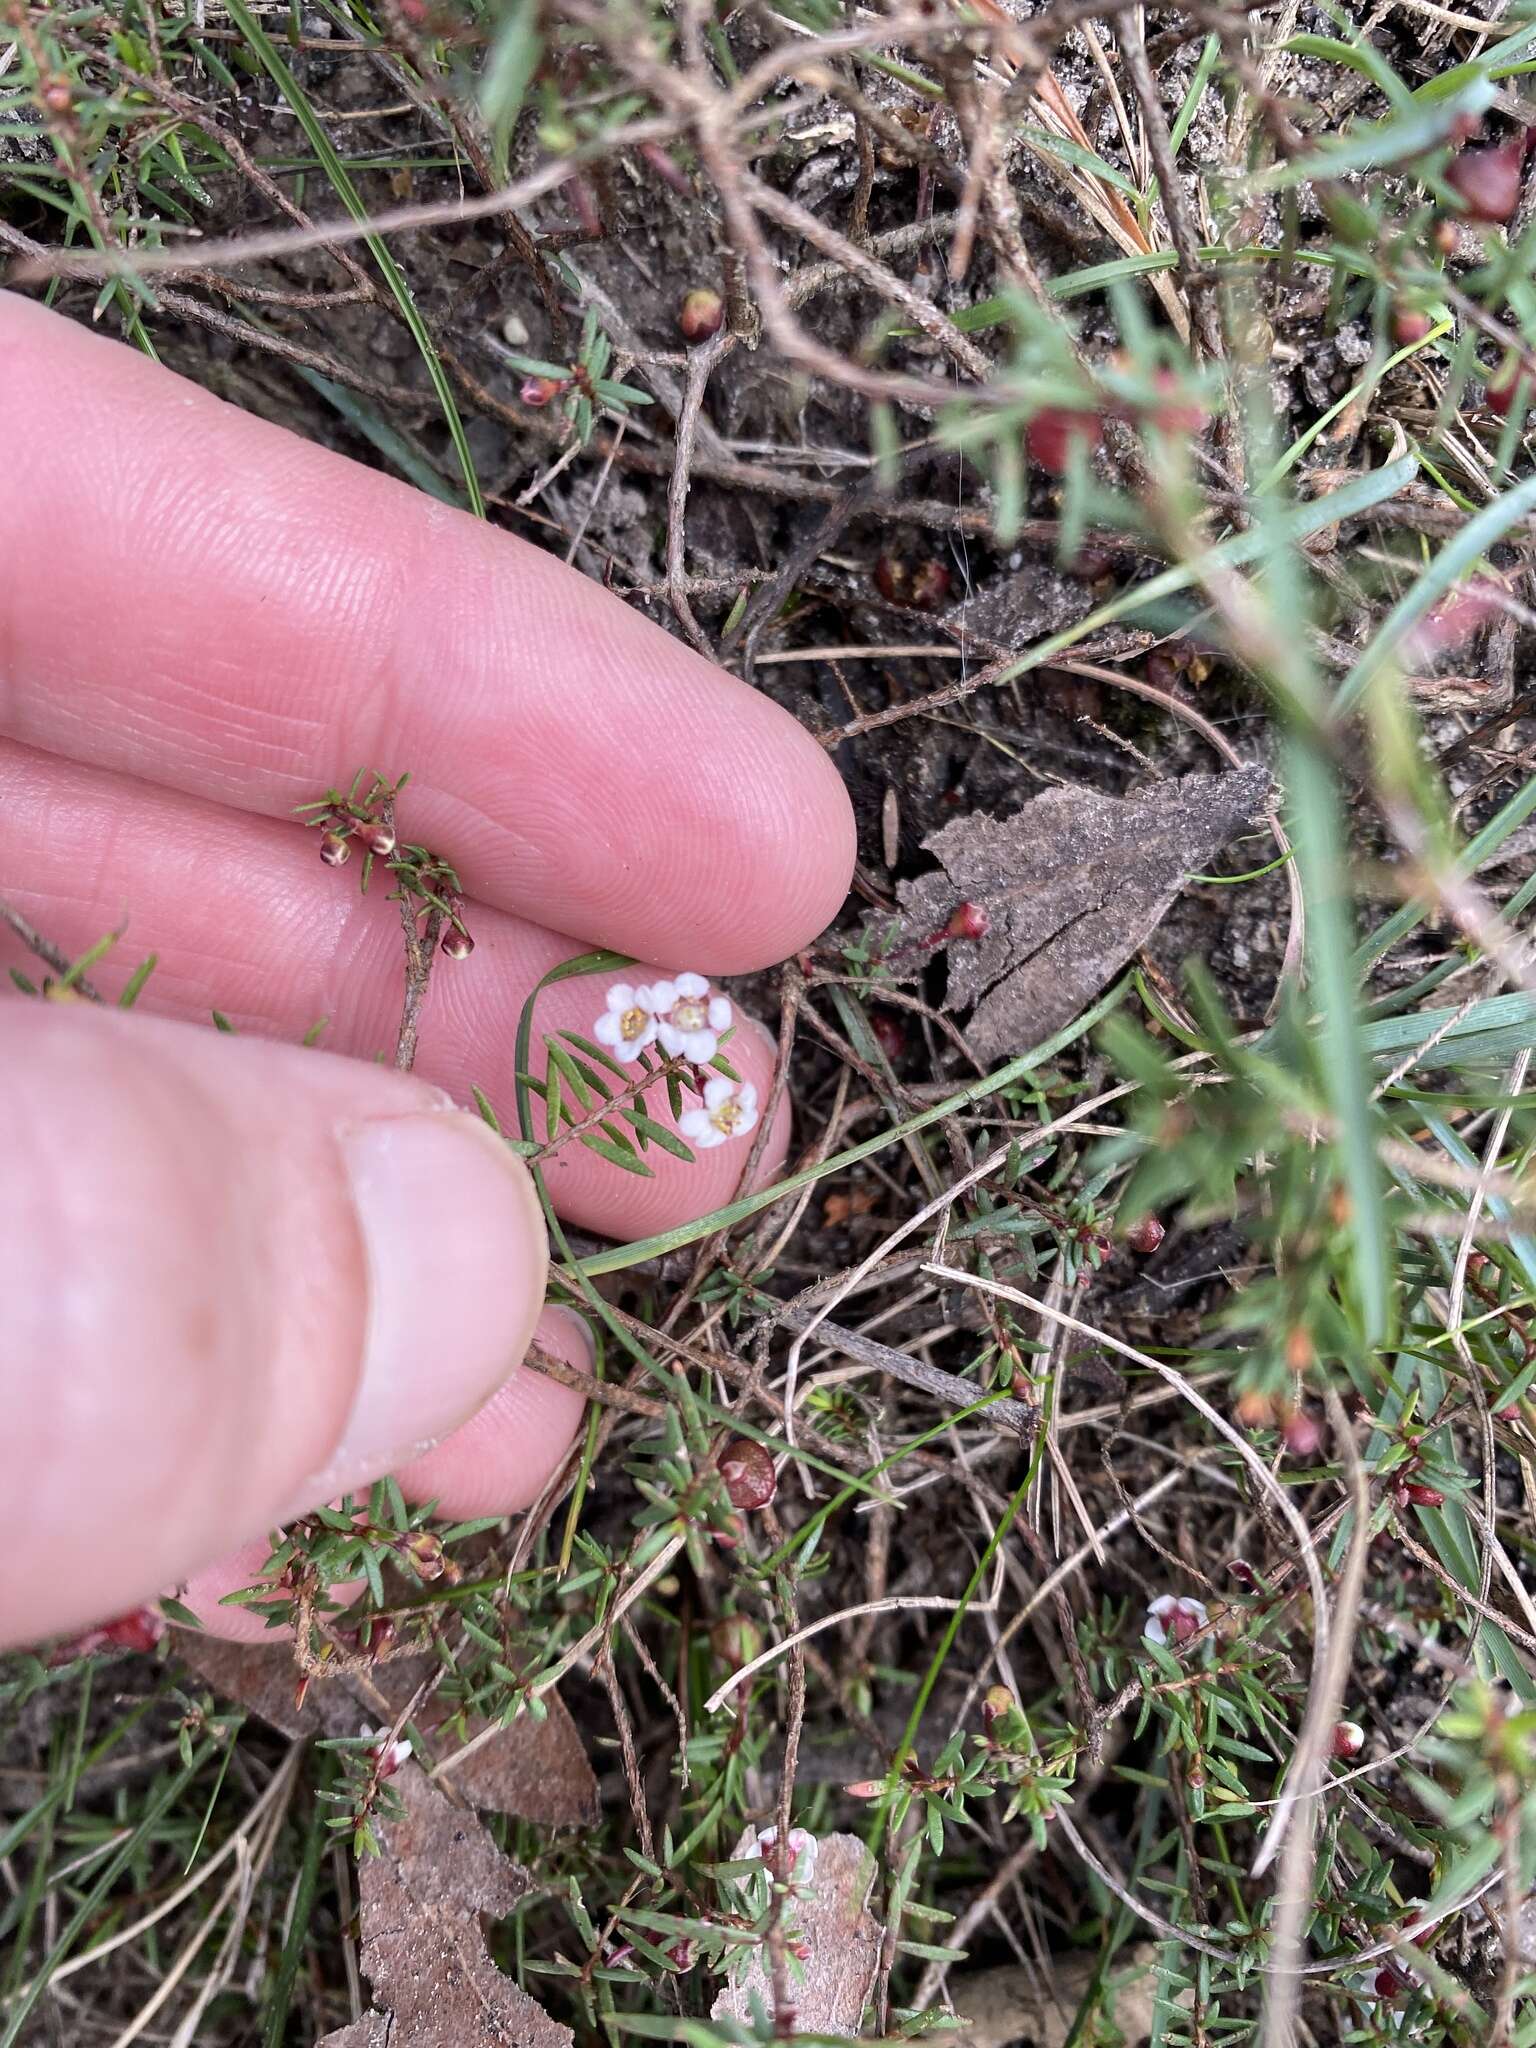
(701, 315)
(969, 921)
(457, 943)
(538, 391)
(1145, 1235)
(747, 1469)
(57, 97)
(1442, 237)
(1052, 434)
(1487, 181)
(335, 849)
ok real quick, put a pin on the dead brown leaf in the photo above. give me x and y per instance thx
(829, 1916)
(535, 1770)
(1072, 884)
(421, 1901)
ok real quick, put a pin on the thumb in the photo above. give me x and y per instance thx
(242, 1278)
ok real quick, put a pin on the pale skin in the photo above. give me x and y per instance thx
(241, 1277)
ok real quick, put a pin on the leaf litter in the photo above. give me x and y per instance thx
(533, 1770)
(1072, 884)
(422, 1899)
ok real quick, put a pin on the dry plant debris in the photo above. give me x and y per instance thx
(1070, 886)
(537, 1770)
(421, 1902)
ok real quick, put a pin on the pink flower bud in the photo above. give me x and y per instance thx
(1301, 1433)
(1487, 181)
(1145, 1235)
(377, 838)
(1348, 1738)
(457, 943)
(335, 849)
(538, 391)
(969, 921)
(1415, 1492)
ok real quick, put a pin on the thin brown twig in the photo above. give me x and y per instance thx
(51, 955)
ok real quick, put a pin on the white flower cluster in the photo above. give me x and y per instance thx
(681, 1016)
(685, 1019)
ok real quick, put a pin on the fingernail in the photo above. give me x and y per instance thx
(567, 1331)
(455, 1249)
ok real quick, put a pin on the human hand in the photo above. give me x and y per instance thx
(242, 1276)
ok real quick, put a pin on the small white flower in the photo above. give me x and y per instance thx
(729, 1111)
(628, 1025)
(689, 1020)
(1175, 1618)
(803, 1847)
(391, 1756)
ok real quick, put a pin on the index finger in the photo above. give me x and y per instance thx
(204, 600)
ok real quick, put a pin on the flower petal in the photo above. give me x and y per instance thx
(672, 1039)
(621, 997)
(606, 1029)
(692, 985)
(717, 1091)
(719, 1013)
(660, 996)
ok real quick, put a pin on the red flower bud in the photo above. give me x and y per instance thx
(1050, 435)
(996, 1701)
(1511, 385)
(1348, 1738)
(335, 849)
(1145, 1235)
(1181, 415)
(747, 1469)
(930, 585)
(887, 1029)
(425, 1552)
(140, 1630)
(1487, 181)
(969, 921)
(1409, 326)
(701, 315)
(457, 943)
(538, 391)
(1416, 1493)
